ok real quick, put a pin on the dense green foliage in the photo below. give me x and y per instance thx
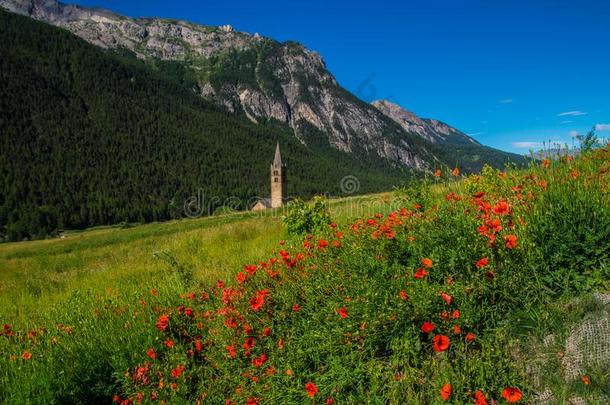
(90, 137)
(305, 218)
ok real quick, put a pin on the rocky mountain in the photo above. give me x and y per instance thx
(261, 79)
(457, 148)
(430, 129)
(246, 73)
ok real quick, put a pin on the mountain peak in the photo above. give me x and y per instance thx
(430, 129)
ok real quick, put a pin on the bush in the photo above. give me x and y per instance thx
(570, 226)
(303, 218)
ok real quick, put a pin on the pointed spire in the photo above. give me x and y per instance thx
(277, 160)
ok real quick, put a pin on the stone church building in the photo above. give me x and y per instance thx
(279, 189)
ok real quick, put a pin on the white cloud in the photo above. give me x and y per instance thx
(506, 101)
(602, 127)
(527, 145)
(571, 113)
(475, 133)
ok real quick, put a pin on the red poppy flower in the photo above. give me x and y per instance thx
(456, 329)
(586, 380)
(249, 343)
(479, 398)
(495, 224)
(438, 173)
(241, 277)
(511, 394)
(447, 298)
(482, 262)
(220, 284)
(329, 401)
(296, 308)
(470, 337)
(311, 389)
(440, 343)
(342, 312)
(232, 351)
(502, 208)
(403, 295)
(198, 345)
(169, 343)
(231, 323)
(455, 172)
(250, 268)
(427, 327)
(251, 401)
(455, 314)
(427, 263)
(259, 361)
(446, 392)
(177, 372)
(420, 273)
(511, 241)
(256, 302)
(322, 243)
(162, 323)
(151, 353)
(26, 355)
(267, 331)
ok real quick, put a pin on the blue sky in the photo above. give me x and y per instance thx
(512, 74)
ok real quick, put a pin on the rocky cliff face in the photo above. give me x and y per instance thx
(430, 129)
(262, 79)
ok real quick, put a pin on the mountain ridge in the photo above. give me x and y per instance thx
(258, 77)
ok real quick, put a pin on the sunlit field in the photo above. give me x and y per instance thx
(445, 290)
(36, 275)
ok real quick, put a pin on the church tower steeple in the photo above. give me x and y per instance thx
(279, 190)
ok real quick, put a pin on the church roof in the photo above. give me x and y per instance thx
(265, 202)
(277, 160)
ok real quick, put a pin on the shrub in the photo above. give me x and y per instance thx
(305, 218)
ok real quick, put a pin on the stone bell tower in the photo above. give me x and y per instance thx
(279, 191)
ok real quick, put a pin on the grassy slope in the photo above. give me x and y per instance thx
(46, 272)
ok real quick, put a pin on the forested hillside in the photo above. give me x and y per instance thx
(89, 137)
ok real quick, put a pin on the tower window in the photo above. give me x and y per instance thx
(275, 180)
(275, 173)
